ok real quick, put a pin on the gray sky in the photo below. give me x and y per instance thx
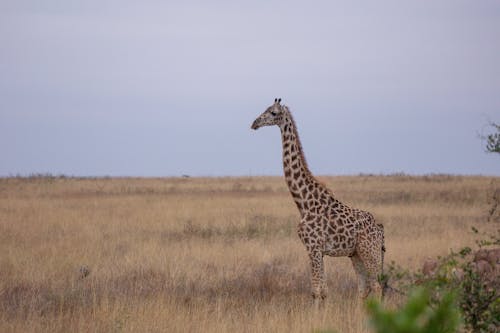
(164, 88)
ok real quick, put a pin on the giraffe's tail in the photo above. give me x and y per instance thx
(386, 288)
(383, 278)
(382, 248)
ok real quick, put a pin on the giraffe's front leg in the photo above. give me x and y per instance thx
(318, 278)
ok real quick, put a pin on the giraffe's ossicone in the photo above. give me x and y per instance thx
(327, 226)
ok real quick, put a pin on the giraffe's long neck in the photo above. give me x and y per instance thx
(297, 174)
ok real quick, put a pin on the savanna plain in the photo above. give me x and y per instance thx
(206, 254)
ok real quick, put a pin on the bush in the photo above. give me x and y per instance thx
(476, 291)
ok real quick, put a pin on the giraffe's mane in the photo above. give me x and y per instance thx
(301, 151)
(299, 143)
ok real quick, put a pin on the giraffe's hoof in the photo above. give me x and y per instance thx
(318, 300)
(364, 294)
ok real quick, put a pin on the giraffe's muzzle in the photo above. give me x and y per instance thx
(255, 124)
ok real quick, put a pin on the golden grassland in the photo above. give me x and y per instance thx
(205, 254)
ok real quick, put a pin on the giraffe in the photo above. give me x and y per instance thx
(327, 226)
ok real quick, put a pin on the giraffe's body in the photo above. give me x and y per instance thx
(327, 226)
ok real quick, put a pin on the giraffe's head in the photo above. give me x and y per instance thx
(272, 116)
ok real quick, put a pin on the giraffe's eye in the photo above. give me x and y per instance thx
(273, 113)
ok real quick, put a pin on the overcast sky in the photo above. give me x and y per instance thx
(165, 88)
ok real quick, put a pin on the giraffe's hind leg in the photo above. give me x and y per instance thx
(362, 275)
(372, 263)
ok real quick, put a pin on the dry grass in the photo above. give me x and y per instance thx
(198, 254)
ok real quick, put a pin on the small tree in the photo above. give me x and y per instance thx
(493, 146)
(493, 139)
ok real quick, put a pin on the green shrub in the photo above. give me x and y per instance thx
(416, 316)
